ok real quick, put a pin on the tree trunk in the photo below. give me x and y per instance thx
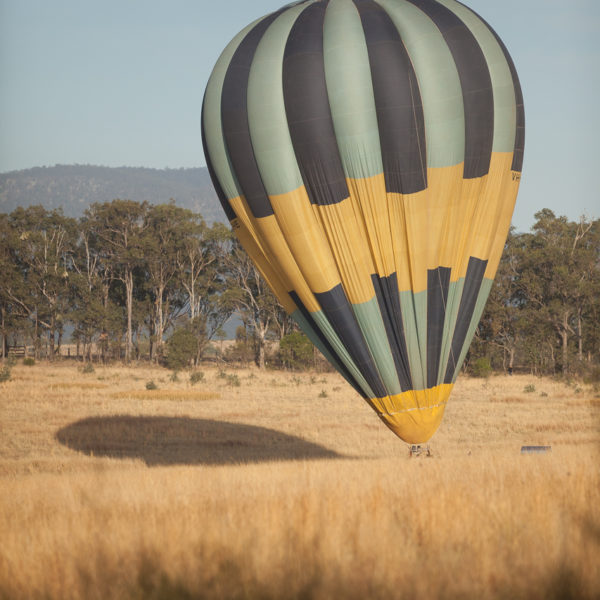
(260, 333)
(51, 338)
(159, 326)
(579, 336)
(36, 348)
(565, 349)
(3, 333)
(260, 353)
(129, 302)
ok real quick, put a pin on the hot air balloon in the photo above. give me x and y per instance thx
(368, 155)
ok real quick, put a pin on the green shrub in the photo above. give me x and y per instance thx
(323, 394)
(234, 380)
(196, 377)
(174, 377)
(529, 389)
(88, 368)
(296, 351)
(150, 385)
(182, 348)
(5, 374)
(481, 367)
(29, 361)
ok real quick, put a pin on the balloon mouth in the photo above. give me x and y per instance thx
(414, 416)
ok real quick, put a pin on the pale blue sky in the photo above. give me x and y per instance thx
(120, 82)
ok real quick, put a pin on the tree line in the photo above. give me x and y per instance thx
(543, 314)
(131, 277)
(125, 276)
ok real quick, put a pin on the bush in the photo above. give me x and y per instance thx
(174, 377)
(241, 352)
(28, 361)
(182, 348)
(5, 374)
(88, 368)
(481, 367)
(296, 351)
(196, 377)
(592, 374)
(150, 385)
(529, 389)
(234, 380)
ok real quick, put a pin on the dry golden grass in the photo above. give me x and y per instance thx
(288, 486)
(167, 394)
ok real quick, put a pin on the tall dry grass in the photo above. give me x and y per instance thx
(288, 486)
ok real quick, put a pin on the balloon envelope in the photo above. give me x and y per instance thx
(368, 155)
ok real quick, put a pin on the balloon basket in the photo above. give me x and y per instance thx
(415, 450)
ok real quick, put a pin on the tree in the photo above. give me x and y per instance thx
(544, 301)
(248, 292)
(166, 232)
(43, 255)
(203, 274)
(119, 226)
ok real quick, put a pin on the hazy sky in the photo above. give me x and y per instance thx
(120, 82)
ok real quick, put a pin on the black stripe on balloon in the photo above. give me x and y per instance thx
(397, 101)
(326, 344)
(476, 84)
(234, 117)
(438, 281)
(388, 299)
(308, 112)
(517, 163)
(472, 285)
(339, 313)
(229, 212)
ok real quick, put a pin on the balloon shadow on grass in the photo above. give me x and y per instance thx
(185, 441)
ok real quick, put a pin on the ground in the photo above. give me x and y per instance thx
(269, 484)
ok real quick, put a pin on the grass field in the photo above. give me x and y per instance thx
(277, 485)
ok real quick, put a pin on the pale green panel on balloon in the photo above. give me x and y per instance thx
(484, 292)
(455, 291)
(414, 319)
(211, 118)
(368, 315)
(267, 120)
(350, 90)
(505, 114)
(325, 326)
(439, 83)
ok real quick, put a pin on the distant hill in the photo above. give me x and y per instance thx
(75, 187)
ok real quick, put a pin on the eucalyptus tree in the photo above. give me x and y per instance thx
(43, 256)
(254, 301)
(10, 285)
(203, 275)
(119, 227)
(167, 229)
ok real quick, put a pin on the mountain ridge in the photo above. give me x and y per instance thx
(74, 187)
